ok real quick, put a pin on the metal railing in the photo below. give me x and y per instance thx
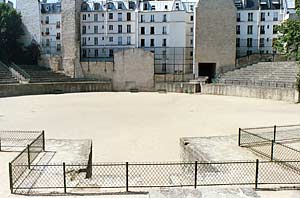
(259, 83)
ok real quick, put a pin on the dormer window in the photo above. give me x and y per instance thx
(84, 7)
(177, 6)
(131, 5)
(96, 6)
(120, 6)
(110, 6)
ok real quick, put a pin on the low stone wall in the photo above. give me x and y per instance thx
(178, 87)
(285, 94)
(53, 88)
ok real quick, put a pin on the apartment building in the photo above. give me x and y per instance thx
(51, 27)
(256, 24)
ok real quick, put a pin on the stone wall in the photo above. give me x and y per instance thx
(53, 88)
(31, 19)
(131, 69)
(51, 61)
(215, 34)
(285, 94)
(71, 36)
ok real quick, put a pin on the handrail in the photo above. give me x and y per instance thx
(21, 71)
(4, 65)
(265, 83)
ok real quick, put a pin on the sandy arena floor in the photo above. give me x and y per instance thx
(137, 127)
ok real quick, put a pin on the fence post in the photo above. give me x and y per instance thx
(196, 172)
(272, 150)
(239, 141)
(0, 144)
(274, 137)
(28, 155)
(89, 167)
(64, 174)
(127, 177)
(43, 132)
(10, 178)
(256, 174)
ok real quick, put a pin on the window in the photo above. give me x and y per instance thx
(58, 47)
(84, 52)
(164, 42)
(249, 29)
(47, 42)
(249, 42)
(57, 36)
(164, 67)
(142, 42)
(142, 18)
(131, 5)
(110, 27)
(110, 16)
(111, 39)
(58, 24)
(95, 41)
(102, 26)
(192, 30)
(250, 16)
(166, 7)
(128, 40)
(152, 30)
(164, 30)
(262, 16)
(84, 29)
(96, 53)
(275, 16)
(164, 18)
(238, 40)
(119, 16)
(47, 20)
(97, 6)
(153, 7)
(142, 30)
(128, 16)
(95, 17)
(111, 52)
(95, 29)
(191, 7)
(191, 42)
(83, 41)
(238, 29)
(119, 28)
(120, 6)
(120, 40)
(128, 28)
(177, 6)
(152, 18)
(261, 42)
(152, 42)
(238, 17)
(262, 29)
(192, 18)
(145, 6)
(274, 29)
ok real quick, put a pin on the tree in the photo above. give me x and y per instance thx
(10, 32)
(288, 42)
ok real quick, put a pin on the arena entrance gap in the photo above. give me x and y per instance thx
(207, 69)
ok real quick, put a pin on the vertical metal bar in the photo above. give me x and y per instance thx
(256, 174)
(43, 132)
(239, 141)
(272, 150)
(28, 156)
(64, 174)
(127, 177)
(274, 137)
(10, 178)
(196, 171)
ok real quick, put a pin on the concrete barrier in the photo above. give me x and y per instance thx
(53, 88)
(285, 94)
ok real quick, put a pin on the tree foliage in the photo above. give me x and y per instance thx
(10, 32)
(288, 41)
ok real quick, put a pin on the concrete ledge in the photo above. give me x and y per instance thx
(54, 88)
(178, 87)
(285, 94)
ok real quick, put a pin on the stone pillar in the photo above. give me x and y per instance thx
(215, 35)
(71, 37)
(31, 19)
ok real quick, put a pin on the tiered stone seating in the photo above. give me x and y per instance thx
(42, 74)
(281, 74)
(5, 75)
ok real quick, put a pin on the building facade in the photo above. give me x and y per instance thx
(256, 24)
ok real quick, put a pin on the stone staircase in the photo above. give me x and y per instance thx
(279, 74)
(39, 74)
(5, 75)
